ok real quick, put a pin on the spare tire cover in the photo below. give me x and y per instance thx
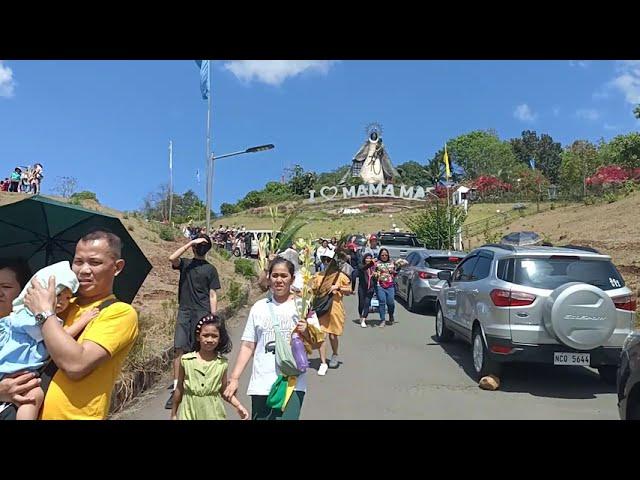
(580, 315)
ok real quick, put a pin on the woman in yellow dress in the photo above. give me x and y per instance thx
(335, 281)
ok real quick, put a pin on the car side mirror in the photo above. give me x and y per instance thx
(445, 275)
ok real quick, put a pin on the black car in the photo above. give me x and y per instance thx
(629, 379)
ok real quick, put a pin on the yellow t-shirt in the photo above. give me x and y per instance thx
(115, 329)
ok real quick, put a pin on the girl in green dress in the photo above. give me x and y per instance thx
(203, 376)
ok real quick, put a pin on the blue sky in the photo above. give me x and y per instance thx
(108, 123)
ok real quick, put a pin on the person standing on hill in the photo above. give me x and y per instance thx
(196, 297)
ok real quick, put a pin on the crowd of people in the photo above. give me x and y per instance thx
(23, 180)
(231, 239)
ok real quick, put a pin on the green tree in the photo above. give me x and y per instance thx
(329, 179)
(636, 112)
(276, 192)
(579, 161)
(543, 149)
(481, 153)
(437, 225)
(229, 209)
(412, 173)
(301, 182)
(623, 150)
(187, 206)
(252, 199)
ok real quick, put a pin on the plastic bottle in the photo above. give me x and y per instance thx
(299, 353)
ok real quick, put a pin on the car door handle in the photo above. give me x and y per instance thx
(475, 291)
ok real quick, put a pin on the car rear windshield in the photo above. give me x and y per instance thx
(552, 272)
(401, 240)
(442, 263)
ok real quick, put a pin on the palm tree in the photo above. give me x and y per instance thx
(434, 170)
(636, 112)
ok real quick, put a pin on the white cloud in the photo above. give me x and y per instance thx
(578, 63)
(556, 111)
(610, 127)
(524, 113)
(274, 72)
(628, 80)
(587, 114)
(7, 83)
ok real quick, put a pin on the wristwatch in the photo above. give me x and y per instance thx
(42, 317)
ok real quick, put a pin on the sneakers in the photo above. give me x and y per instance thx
(169, 404)
(333, 363)
(363, 324)
(323, 369)
(382, 323)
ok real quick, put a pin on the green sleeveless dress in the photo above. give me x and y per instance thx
(202, 383)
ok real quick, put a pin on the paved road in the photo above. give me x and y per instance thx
(400, 372)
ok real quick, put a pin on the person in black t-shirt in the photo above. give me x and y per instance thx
(196, 297)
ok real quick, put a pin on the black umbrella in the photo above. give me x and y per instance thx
(521, 238)
(44, 231)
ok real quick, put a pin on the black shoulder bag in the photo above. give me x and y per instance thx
(322, 305)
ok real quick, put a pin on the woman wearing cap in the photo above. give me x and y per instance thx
(331, 280)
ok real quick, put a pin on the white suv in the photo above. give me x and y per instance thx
(556, 305)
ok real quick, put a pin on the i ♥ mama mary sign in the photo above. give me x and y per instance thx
(371, 190)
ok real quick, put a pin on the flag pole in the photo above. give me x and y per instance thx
(209, 174)
(170, 179)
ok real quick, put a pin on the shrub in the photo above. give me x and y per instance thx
(609, 175)
(222, 253)
(85, 195)
(245, 267)
(235, 294)
(166, 233)
(610, 197)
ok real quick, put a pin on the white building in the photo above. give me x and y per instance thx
(462, 195)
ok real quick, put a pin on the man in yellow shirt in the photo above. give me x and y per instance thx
(89, 367)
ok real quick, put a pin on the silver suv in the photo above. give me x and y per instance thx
(556, 305)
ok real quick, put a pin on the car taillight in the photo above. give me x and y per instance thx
(426, 275)
(454, 259)
(627, 302)
(506, 298)
(501, 349)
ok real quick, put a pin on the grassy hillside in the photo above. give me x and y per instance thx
(325, 218)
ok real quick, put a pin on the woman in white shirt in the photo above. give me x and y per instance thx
(323, 251)
(258, 341)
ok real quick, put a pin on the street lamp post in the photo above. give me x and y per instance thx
(213, 158)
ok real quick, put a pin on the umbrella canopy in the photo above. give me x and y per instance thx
(44, 231)
(521, 238)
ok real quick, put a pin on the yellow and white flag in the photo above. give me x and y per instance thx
(446, 162)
